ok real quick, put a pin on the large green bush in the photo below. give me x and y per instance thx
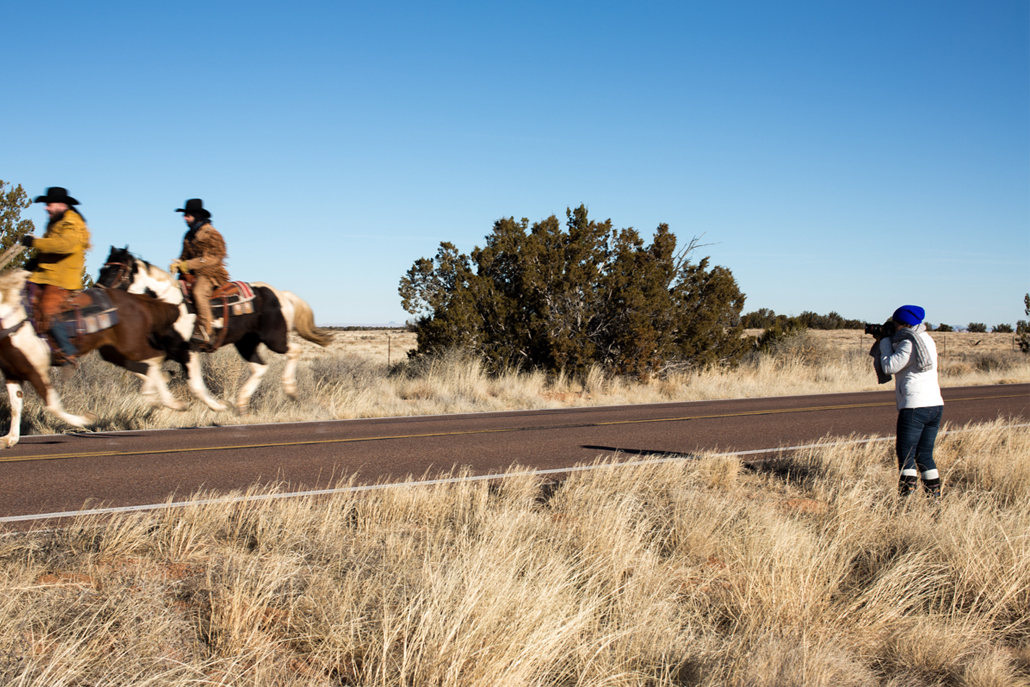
(13, 200)
(554, 298)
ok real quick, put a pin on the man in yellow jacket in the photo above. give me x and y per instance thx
(59, 262)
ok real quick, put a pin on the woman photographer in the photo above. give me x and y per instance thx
(911, 356)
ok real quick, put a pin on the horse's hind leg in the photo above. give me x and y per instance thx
(247, 346)
(17, 399)
(290, 373)
(197, 386)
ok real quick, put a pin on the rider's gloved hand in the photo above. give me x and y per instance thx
(28, 240)
(179, 266)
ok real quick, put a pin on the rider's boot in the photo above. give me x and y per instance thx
(201, 339)
(64, 353)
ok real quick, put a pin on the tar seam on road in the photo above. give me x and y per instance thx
(318, 442)
(448, 480)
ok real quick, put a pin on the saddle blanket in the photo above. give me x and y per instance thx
(90, 311)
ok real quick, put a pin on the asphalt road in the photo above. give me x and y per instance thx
(70, 472)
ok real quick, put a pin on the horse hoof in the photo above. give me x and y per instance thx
(89, 419)
(218, 407)
(243, 409)
(177, 406)
(8, 442)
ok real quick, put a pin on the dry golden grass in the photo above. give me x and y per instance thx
(392, 345)
(352, 379)
(803, 571)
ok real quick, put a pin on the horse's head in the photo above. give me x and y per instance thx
(125, 271)
(117, 272)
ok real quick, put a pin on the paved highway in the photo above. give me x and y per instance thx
(70, 472)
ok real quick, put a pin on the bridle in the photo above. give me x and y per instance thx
(121, 276)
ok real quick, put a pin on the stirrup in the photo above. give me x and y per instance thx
(59, 358)
(201, 339)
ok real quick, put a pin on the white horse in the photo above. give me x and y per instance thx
(25, 357)
(275, 315)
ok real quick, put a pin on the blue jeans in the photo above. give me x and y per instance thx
(917, 431)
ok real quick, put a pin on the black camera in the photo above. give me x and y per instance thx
(881, 331)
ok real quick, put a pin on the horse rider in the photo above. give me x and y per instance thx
(58, 266)
(203, 254)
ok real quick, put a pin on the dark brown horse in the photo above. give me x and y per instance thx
(274, 316)
(25, 356)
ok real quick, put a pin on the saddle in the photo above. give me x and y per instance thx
(236, 297)
(85, 311)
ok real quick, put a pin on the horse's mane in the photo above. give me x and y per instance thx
(150, 268)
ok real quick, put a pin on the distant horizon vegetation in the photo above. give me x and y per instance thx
(765, 318)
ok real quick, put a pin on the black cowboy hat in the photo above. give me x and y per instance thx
(195, 208)
(56, 194)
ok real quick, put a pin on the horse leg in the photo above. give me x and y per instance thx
(290, 373)
(27, 358)
(157, 378)
(257, 371)
(277, 321)
(247, 346)
(53, 404)
(148, 389)
(197, 386)
(16, 398)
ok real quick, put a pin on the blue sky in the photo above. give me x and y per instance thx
(847, 156)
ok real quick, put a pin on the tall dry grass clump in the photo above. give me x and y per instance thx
(805, 570)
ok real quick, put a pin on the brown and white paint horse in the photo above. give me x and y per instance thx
(276, 315)
(25, 356)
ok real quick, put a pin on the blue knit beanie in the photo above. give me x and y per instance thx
(909, 314)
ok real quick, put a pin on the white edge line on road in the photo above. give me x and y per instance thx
(448, 480)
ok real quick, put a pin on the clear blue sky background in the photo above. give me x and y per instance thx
(847, 156)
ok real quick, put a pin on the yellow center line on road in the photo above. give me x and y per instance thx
(505, 430)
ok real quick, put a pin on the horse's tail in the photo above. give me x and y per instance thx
(304, 320)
